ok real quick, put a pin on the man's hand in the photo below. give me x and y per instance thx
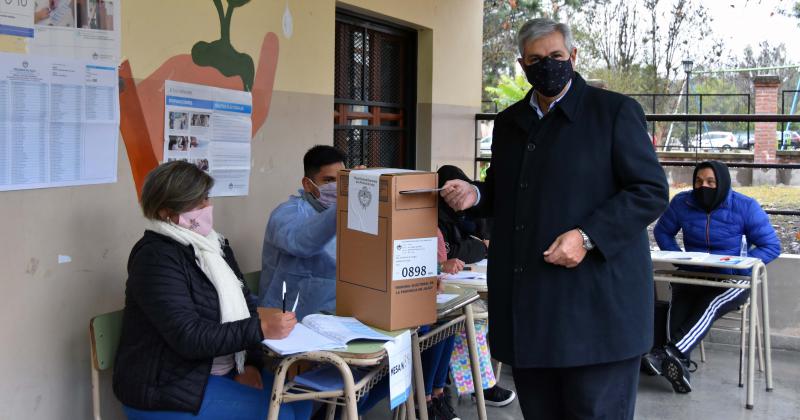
(459, 194)
(452, 266)
(250, 377)
(567, 250)
(275, 324)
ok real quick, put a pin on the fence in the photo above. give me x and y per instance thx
(484, 121)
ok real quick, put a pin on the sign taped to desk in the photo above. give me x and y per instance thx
(399, 351)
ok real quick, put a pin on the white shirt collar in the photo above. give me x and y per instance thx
(535, 103)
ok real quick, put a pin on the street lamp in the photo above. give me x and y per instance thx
(687, 67)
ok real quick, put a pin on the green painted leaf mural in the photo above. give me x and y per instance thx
(220, 53)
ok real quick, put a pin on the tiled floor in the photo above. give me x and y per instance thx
(715, 396)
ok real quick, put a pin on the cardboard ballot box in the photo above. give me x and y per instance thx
(387, 279)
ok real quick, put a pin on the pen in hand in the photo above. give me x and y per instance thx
(283, 298)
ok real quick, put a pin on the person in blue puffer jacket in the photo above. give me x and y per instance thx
(713, 219)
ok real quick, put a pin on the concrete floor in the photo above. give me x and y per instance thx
(716, 394)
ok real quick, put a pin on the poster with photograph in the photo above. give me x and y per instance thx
(16, 18)
(81, 29)
(59, 122)
(210, 127)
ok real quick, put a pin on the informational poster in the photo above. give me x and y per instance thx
(81, 29)
(399, 352)
(414, 258)
(59, 122)
(16, 18)
(211, 128)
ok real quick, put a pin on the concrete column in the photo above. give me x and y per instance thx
(766, 93)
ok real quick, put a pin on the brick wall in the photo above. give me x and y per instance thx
(766, 92)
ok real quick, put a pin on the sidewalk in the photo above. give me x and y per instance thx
(715, 396)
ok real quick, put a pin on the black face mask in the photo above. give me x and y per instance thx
(706, 197)
(549, 76)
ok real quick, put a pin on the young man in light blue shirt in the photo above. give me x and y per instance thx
(300, 240)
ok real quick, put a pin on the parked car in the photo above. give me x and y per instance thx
(723, 140)
(485, 147)
(787, 140)
(743, 140)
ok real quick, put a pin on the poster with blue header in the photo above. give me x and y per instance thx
(210, 127)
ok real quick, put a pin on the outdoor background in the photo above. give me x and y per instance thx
(637, 48)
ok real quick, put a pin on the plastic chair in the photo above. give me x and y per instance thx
(104, 333)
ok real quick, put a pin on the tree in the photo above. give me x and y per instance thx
(508, 90)
(653, 35)
(501, 21)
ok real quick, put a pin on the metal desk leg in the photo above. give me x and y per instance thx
(330, 412)
(751, 339)
(742, 337)
(475, 362)
(350, 409)
(765, 323)
(419, 384)
(410, 402)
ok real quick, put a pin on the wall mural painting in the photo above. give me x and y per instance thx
(215, 63)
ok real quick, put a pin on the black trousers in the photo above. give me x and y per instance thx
(695, 308)
(606, 391)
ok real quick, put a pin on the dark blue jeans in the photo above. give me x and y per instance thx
(230, 400)
(436, 363)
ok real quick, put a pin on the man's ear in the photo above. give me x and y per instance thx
(574, 56)
(308, 186)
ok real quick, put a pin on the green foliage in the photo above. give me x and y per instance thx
(508, 90)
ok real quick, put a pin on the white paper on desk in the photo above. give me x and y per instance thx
(482, 263)
(466, 275)
(342, 329)
(399, 352)
(680, 255)
(443, 298)
(363, 188)
(302, 339)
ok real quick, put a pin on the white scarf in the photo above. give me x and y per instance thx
(209, 257)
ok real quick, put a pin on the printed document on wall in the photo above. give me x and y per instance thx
(81, 29)
(59, 122)
(211, 128)
(16, 18)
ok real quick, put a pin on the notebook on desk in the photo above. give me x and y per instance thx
(320, 332)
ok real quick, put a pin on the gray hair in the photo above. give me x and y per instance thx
(540, 27)
(176, 187)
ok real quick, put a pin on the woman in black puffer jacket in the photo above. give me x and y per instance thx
(191, 332)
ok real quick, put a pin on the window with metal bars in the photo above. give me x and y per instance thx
(375, 92)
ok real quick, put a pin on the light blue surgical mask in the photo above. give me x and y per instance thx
(327, 193)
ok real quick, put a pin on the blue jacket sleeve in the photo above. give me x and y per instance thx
(300, 236)
(666, 229)
(761, 237)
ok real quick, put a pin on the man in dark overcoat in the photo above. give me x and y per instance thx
(573, 184)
